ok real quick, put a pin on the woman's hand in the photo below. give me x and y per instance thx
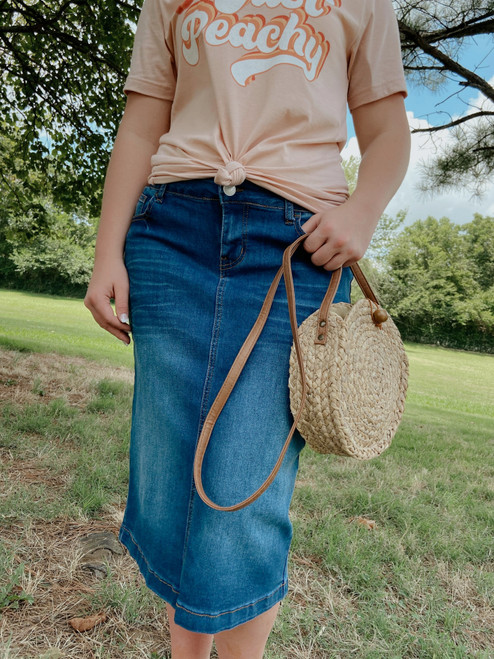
(338, 237)
(110, 280)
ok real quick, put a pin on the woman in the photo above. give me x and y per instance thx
(228, 150)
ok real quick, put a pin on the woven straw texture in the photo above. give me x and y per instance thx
(356, 382)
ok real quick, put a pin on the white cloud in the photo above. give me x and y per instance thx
(457, 204)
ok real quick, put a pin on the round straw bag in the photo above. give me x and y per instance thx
(348, 376)
(349, 366)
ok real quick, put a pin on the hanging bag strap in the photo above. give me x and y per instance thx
(244, 354)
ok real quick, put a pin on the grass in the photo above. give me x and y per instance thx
(418, 584)
(46, 323)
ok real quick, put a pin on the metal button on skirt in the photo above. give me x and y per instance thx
(200, 263)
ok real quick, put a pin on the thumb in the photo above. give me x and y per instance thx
(122, 302)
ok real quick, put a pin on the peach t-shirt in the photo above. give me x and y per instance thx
(260, 88)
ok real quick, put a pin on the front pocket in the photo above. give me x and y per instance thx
(142, 205)
(299, 218)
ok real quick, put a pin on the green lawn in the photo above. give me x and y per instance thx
(419, 584)
(44, 323)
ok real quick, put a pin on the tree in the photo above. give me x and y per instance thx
(434, 35)
(42, 247)
(63, 67)
(479, 237)
(434, 286)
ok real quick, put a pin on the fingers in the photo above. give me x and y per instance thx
(325, 253)
(110, 280)
(102, 311)
(122, 303)
(329, 243)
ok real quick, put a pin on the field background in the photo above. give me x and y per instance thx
(415, 580)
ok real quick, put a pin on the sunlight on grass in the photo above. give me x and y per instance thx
(44, 323)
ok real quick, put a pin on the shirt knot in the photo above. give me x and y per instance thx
(232, 174)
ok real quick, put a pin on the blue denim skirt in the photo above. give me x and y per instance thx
(200, 264)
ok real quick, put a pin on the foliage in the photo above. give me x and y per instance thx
(479, 237)
(437, 285)
(42, 247)
(434, 35)
(468, 161)
(58, 259)
(63, 66)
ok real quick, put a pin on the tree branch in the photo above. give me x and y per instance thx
(472, 78)
(456, 122)
(475, 27)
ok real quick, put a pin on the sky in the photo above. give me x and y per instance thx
(426, 108)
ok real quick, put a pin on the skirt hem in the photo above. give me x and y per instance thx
(194, 621)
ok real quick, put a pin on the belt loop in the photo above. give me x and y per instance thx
(288, 212)
(160, 192)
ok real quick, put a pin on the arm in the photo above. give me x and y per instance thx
(341, 235)
(144, 121)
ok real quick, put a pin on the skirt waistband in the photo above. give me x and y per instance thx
(246, 192)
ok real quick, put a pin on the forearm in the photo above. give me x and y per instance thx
(127, 174)
(128, 170)
(382, 169)
(384, 139)
(145, 119)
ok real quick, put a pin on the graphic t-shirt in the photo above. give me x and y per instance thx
(260, 88)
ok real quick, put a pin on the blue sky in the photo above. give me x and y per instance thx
(424, 106)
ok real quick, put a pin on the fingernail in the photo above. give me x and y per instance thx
(124, 318)
(125, 342)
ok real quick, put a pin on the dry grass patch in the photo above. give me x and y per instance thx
(28, 473)
(61, 589)
(464, 594)
(26, 377)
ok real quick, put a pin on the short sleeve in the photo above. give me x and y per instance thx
(375, 68)
(152, 68)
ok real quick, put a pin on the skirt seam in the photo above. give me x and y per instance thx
(205, 397)
(177, 592)
(240, 608)
(227, 265)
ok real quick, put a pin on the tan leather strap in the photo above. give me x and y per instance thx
(244, 353)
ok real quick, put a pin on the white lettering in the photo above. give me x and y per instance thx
(262, 38)
(292, 28)
(229, 6)
(312, 10)
(314, 57)
(192, 27)
(217, 32)
(308, 5)
(244, 70)
(242, 34)
(287, 40)
(232, 6)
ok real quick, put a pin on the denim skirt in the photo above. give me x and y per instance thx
(200, 264)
